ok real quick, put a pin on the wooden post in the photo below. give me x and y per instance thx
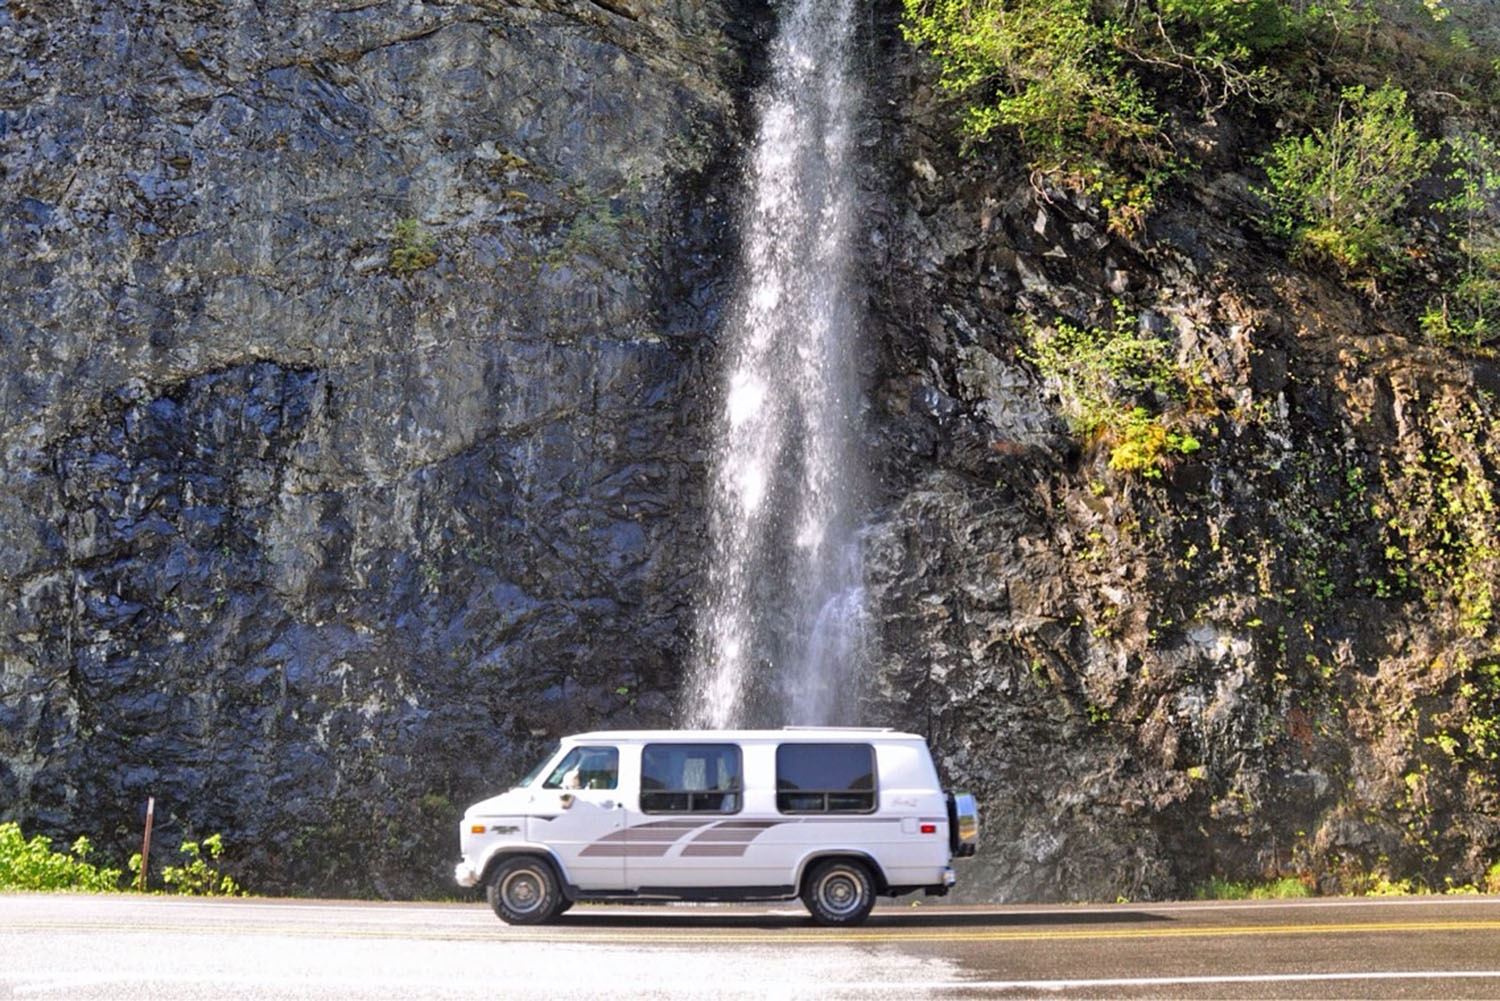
(146, 844)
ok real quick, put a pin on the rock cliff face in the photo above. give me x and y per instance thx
(1279, 660)
(356, 365)
(349, 454)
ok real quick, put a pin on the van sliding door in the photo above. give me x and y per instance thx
(680, 828)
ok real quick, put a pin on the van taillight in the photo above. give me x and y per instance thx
(929, 828)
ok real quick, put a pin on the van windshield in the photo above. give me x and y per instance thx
(537, 769)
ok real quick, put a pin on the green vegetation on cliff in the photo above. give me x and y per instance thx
(1057, 74)
(1089, 86)
(1467, 311)
(413, 249)
(1440, 511)
(1291, 629)
(1339, 191)
(1119, 385)
(1096, 91)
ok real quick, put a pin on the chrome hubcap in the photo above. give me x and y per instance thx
(840, 892)
(522, 891)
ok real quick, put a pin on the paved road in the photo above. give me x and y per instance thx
(124, 947)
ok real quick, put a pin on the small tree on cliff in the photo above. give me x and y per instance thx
(1338, 192)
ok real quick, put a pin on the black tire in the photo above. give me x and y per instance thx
(525, 891)
(839, 892)
(563, 908)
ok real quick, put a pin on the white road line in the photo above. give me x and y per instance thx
(1247, 978)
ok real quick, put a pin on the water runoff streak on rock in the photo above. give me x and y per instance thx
(783, 630)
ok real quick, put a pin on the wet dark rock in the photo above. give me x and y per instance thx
(316, 551)
(312, 551)
(1213, 674)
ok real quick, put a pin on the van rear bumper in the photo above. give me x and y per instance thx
(941, 889)
(938, 887)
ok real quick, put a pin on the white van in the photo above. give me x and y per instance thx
(835, 816)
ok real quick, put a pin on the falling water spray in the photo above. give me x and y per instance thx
(783, 632)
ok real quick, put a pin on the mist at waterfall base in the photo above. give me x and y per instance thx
(784, 633)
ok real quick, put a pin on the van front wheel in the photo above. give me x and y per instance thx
(839, 892)
(524, 891)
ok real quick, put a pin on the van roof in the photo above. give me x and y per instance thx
(803, 734)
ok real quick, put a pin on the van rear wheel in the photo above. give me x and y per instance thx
(525, 891)
(839, 892)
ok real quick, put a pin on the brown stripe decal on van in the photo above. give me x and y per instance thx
(699, 850)
(711, 839)
(636, 836)
(600, 850)
(733, 837)
(648, 840)
(661, 830)
(728, 838)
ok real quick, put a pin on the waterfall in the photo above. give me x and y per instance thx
(782, 633)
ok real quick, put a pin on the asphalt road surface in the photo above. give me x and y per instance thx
(124, 947)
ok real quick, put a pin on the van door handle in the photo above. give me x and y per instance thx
(608, 804)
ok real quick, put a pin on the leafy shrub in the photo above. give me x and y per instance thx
(1144, 443)
(412, 248)
(1082, 82)
(1054, 72)
(199, 877)
(1380, 885)
(1469, 310)
(1231, 29)
(1095, 369)
(1106, 378)
(33, 865)
(1338, 192)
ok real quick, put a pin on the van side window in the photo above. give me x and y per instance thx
(690, 778)
(586, 768)
(825, 778)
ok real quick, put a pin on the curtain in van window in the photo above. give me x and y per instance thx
(690, 778)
